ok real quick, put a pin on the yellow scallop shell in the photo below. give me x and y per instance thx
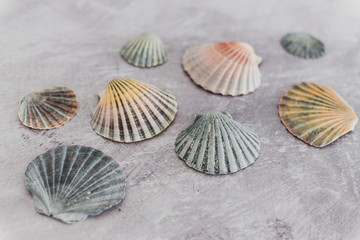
(316, 114)
(131, 111)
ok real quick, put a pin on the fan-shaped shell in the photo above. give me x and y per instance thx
(70, 183)
(316, 114)
(146, 50)
(302, 45)
(229, 68)
(131, 111)
(49, 108)
(216, 144)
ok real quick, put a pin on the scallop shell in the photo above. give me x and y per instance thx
(146, 50)
(229, 68)
(70, 183)
(49, 108)
(216, 144)
(302, 45)
(131, 111)
(316, 114)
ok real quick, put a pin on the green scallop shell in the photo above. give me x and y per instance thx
(146, 50)
(302, 45)
(70, 183)
(216, 144)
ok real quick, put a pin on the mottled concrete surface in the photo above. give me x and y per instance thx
(293, 191)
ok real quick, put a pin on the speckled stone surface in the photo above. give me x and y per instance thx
(293, 190)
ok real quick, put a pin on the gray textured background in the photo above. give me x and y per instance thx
(293, 191)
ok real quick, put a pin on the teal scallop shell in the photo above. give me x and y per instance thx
(216, 144)
(146, 50)
(302, 45)
(70, 183)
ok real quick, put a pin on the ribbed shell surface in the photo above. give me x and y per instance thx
(70, 183)
(316, 114)
(302, 45)
(146, 50)
(131, 111)
(229, 68)
(47, 109)
(216, 144)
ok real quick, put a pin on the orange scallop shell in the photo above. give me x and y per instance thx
(49, 108)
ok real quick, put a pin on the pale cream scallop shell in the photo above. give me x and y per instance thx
(131, 111)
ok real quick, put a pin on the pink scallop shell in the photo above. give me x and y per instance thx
(229, 68)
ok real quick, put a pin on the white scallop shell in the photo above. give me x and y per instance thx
(70, 183)
(216, 144)
(229, 68)
(131, 111)
(146, 50)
